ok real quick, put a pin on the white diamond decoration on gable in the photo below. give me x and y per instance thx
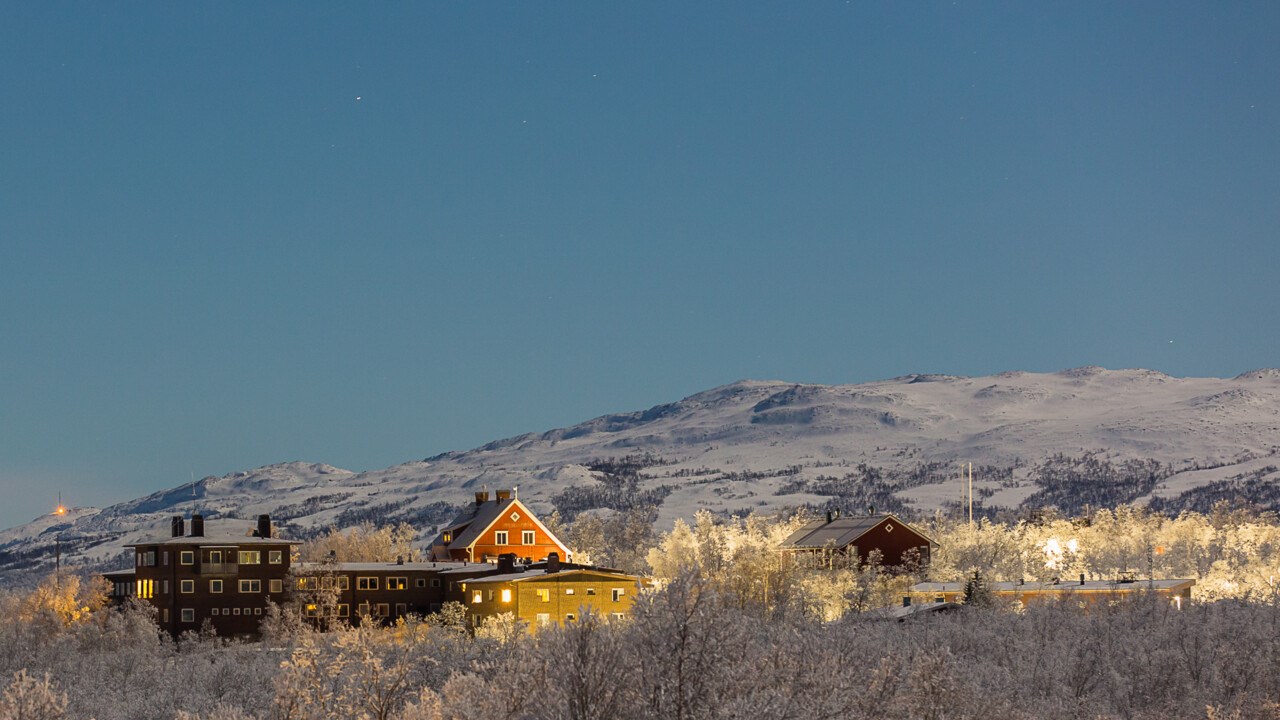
(515, 516)
(888, 528)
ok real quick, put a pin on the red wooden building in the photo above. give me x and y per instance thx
(496, 527)
(845, 540)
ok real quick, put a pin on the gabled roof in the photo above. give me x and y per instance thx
(841, 532)
(535, 575)
(469, 525)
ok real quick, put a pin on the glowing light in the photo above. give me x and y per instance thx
(60, 511)
(506, 596)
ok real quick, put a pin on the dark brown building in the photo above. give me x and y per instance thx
(839, 540)
(224, 576)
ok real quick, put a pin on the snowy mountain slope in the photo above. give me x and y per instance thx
(766, 446)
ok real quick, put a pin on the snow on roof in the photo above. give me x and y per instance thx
(840, 532)
(1062, 586)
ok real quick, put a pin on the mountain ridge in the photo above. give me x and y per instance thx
(767, 445)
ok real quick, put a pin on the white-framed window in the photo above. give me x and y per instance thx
(344, 582)
(186, 587)
(591, 591)
(214, 612)
(618, 593)
(488, 595)
(275, 586)
(527, 537)
(215, 556)
(308, 583)
(401, 609)
(363, 609)
(165, 554)
(164, 587)
(250, 586)
(236, 611)
(187, 557)
(397, 583)
(544, 594)
(343, 610)
(310, 610)
(500, 537)
(570, 617)
(617, 616)
(477, 597)
(383, 610)
(256, 611)
(544, 619)
(366, 583)
(188, 615)
(250, 557)
(215, 586)
(420, 582)
(435, 582)
(569, 591)
(275, 557)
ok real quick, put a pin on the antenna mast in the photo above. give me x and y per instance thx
(970, 494)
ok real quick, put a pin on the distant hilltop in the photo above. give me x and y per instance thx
(1081, 437)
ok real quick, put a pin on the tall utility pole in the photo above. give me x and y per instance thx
(970, 494)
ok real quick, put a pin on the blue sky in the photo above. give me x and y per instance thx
(233, 234)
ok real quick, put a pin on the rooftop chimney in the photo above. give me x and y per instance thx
(482, 497)
(264, 526)
(399, 559)
(177, 526)
(830, 517)
(553, 562)
(504, 495)
(1081, 578)
(197, 525)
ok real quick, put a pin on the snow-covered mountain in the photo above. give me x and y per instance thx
(1117, 435)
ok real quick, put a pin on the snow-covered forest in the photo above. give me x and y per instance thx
(733, 631)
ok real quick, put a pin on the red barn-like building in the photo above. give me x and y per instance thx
(496, 527)
(850, 539)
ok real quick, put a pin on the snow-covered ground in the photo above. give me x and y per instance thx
(1010, 419)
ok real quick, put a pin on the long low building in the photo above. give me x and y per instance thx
(1177, 591)
(228, 577)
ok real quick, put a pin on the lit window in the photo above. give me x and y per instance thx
(544, 594)
(188, 615)
(344, 610)
(146, 589)
(397, 583)
(366, 583)
(308, 583)
(187, 586)
(187, 557)
(506, 595)
(618, 593)
(275, 557)
(569, 591)
(310, 610)
(250, 557)
(215, 586)
(275, 586)
(477, 597)
(527, 537)
(617, 616)
(500, 537)
(447, 537)
(250, 586)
